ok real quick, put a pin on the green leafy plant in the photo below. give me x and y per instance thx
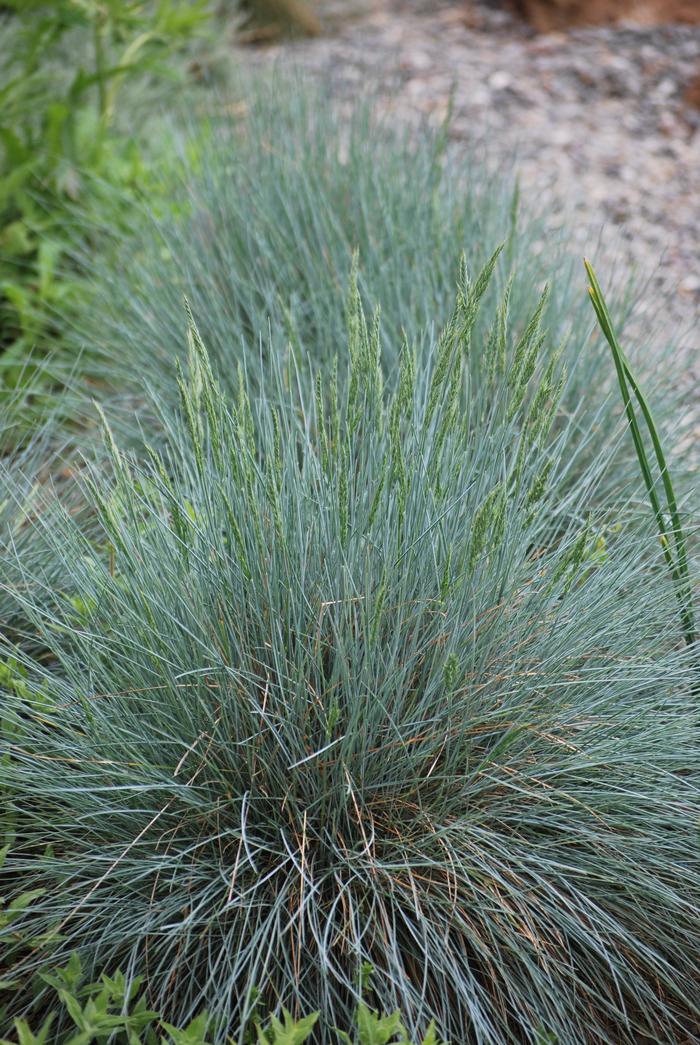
(352, 683)
(113, 1009)
(63, 146)
(108, 1010)
(373, 1029)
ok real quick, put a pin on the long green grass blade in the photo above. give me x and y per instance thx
(678, 562)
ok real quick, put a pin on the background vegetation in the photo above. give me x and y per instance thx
(68, 150)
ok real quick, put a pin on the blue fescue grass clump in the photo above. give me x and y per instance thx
(269, 203)
(349, 678)
(271, 199)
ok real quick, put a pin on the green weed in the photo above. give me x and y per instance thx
(676, 554)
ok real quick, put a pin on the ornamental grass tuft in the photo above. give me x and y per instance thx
(344, 674)
(269, 202)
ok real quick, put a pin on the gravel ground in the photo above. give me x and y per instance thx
(594, 120)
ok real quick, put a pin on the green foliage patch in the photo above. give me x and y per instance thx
(114, 1009)
(67, 152)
